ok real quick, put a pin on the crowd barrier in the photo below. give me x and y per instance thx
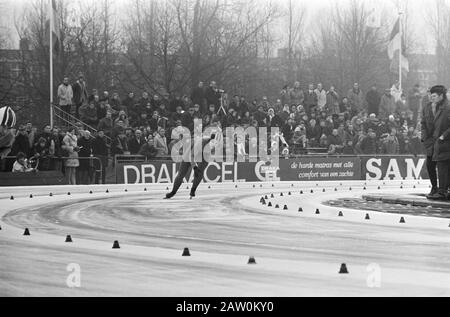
(52, 177)
(302, 168)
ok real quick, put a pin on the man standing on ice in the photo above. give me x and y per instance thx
(429, 113)
(190, 159)
(441, 135)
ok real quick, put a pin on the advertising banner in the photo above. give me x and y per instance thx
(320, 169)
(166, 171)
(394, 168)
(300, 169)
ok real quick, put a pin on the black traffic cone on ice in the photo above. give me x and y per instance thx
(251, 260)
(26, 232)
(69, 239)
(116, 245)
(186, 252)
(343, 269)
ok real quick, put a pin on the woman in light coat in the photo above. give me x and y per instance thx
(71, 151)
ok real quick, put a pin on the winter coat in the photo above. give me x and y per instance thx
(85, 151)
(387, 106)
(333, 102)
(373, 99)
(321, 98)
(65, 95)
(427, 132)
(80, 94)
(69, 145)
(368, 145)
(148, 151)
(390, 146)
(296, 96)
(134, 145)
(442, 128)
(356, 99)
(21, 144)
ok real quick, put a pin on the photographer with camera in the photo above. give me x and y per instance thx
(213, 95)
(21, 165)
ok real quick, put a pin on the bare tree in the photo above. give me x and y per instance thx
(296, 21)
(438, 17)
(192, 40)
(345, 51)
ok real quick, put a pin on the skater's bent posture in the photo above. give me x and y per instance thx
(199, 169)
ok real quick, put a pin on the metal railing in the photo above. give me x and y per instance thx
(68, 120)
(120, 159)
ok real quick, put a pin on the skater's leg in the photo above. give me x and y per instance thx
(198, 176)
(184, 169)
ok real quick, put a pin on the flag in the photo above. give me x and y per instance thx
(395, 40)
(374, 18)
(396, 44)
(394, 64)
(52, 26)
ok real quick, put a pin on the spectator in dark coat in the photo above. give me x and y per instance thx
(314, 132)
(441, 133)
(369, 144)
(198, 96)
(100, 149)
(273, 120)
(261, 116)
(212, 95)
(310, 102)
(119, 144)
(84, 171)
(88, 114)
(42, 151)
(148, 149)
(144, 105)
(106, 124)
(335, 143)
(136, 142)
(21, 143)
(373, 99)
(429, 112)
(80, 93)
(129, 103)
(174, 103)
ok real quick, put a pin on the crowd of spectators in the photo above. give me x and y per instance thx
(311, 120)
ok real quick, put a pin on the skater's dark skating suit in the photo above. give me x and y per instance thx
(185, 167)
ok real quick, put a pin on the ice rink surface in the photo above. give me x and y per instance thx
(297, 253)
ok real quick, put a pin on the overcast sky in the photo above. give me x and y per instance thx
(418, 9)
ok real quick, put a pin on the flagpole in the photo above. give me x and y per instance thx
(50, 12)
(400, 52)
